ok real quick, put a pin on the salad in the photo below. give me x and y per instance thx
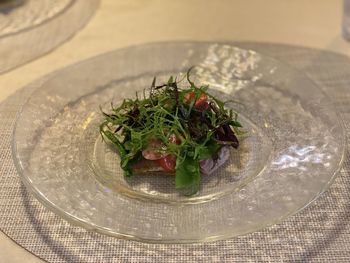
(184, 132)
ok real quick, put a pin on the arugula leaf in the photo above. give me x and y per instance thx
(128, 167)
(187, 173)
(208, 150)
(124, 159)
(115, 142)
(236, 124)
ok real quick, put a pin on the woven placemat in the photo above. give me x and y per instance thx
(319, 233)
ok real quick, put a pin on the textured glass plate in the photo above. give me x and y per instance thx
(35, 27)
(293, 149)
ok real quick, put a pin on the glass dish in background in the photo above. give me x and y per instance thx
(346, 20)
(31, 28)
(7, 5)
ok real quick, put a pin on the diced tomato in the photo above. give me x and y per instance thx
(201, 102)
(189, 97)
(168, 163)
(154, 151)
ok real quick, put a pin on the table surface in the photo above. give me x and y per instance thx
(118, 23)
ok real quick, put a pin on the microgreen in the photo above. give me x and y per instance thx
(167, 110)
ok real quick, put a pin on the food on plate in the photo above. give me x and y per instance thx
(184, 132)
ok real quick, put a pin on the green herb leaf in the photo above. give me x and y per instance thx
(124, 159)
(187, 173)
(208, 150)
(236, 124)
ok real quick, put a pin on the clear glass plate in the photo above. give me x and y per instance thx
(293, 149)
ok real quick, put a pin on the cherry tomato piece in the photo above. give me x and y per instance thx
(168, 163)
(201, 102)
